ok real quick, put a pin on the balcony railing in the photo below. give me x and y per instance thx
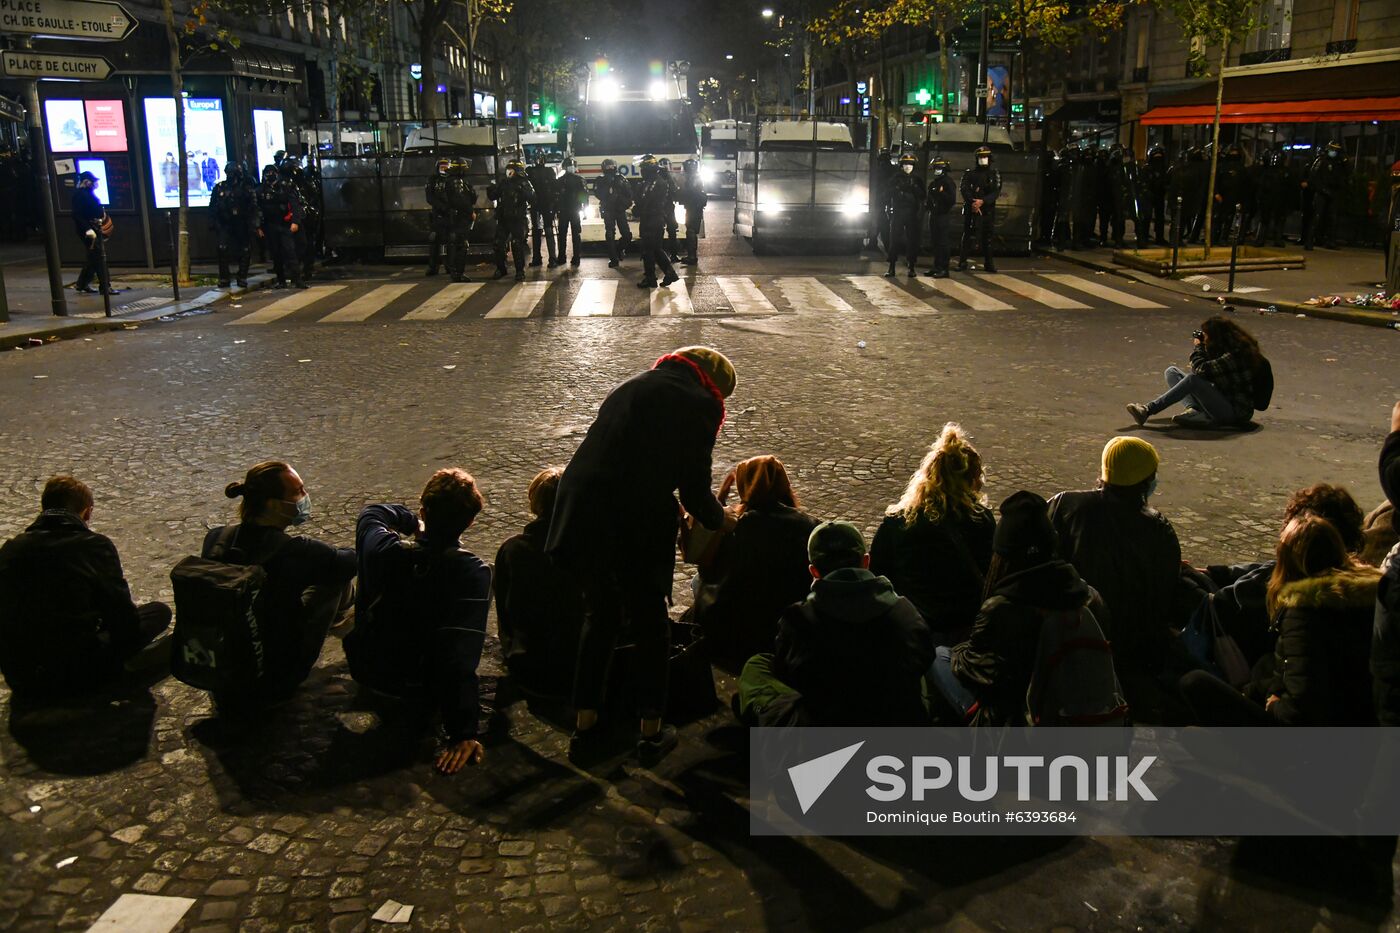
(1265, 55)
(1341, 47)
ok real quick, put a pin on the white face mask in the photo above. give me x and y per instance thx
(983, 161)
(570, 169)
(908, 169)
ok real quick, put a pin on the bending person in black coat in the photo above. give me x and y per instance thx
(616, 519)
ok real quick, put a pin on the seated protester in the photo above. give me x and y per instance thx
(758, 569)
(854, 650)
(67, 621)
(420, 613)
(1243, 587)
(1385, 641)
(309, 584)
(1129, 553)
(985, 678)
(539, 610)
(935, 543)
(1219, 390)
(1323, 601)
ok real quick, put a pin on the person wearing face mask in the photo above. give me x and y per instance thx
(942, 195)
(573, 198)
(234, 208)
(1154, 201)
(309, 583)
(980, 187)
(1322, 190)
(614, 197)
(543, 211)
(903, 200)
(514, 198)
(1129, 553)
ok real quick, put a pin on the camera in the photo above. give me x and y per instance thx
(1198, 335)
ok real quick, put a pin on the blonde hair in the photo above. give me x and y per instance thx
(947, 483)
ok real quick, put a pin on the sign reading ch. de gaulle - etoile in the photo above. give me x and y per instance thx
(93, 20)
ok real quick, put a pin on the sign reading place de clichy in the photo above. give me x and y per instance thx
(94, 20)
(25, 64)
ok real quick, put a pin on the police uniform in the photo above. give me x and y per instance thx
(1153, 176)
(1325, 183)
(461, 203)
(693, 198)
(1123, 189)
(1276, 193)
(942, 196)
(903, 200)
(543, 211)
(614, 197)
(572, 197)
(672, 225)
(281, 211)
(440, 217)
(653, 202)
(982, 183)
(234, 206)
(514, 197)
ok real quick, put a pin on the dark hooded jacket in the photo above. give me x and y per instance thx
(1324, 641)
(998, 659)
(1385, 639)
(856, 651)
(616, 509)
(939, 566)
(539, 612)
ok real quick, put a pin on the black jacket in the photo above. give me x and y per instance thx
(1385, 645)
(692, 194)
(902, 196)
(573, 194)
(759, 569)
(998, 659)
(1321, 670)
(856, 651)
(942, 195)
(87, 210)
(546, 185)
(940, 566)
(66, 615)
(279, 205)
(654, 203)
(1127, 551)
(616, 509)
(614, 193)
(1390, 473)
(514, 197)
(420, 616)
(982, 181)
(539, 612)
(436, 193)
(234, 207)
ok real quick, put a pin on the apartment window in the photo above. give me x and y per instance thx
(1142, 44)
(1344, 15)
(1276, 26)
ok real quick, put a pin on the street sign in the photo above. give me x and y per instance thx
(11, 110)
(94, 20)
(27, 64)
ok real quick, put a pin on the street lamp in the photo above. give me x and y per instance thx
(729, 57)
(767, 12)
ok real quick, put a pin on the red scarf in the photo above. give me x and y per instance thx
(704, 378)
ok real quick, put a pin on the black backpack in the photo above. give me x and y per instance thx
(218, 643)
(1263, 384)
(388, 642)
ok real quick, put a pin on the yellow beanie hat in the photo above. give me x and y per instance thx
(714, 364)
(1128, 461)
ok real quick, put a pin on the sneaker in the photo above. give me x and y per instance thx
(674, 257)
(431, 271)
(1191, 418)
(300, 285)
(669, 280)
(651, 750)
(1139, 412)
(687, 261)
(962, 265)
(85, 290)
(990, 266)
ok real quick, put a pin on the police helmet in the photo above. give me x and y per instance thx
(233, 170)
(1234, 153)
(459, 166)
(444, 165)
(938, 166)
(1334, 146)
(1066, 154)
(515, 167)
(907, 159)
(568, 163)
(649, 164)
(609, 166)
(690, 166)
(1156, 152)
(664, 162)
(984, 152)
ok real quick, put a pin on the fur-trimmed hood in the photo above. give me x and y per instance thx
(1338, 589)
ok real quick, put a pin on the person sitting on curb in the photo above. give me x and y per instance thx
(1220, 389)
(67, 621)
(539, 610)
(1385, 640)
(420, 615)
(853, 653)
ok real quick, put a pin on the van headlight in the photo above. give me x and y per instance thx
(707, 174)
(856, 204)
(770, 207)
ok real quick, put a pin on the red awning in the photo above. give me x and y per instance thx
(1346, 110)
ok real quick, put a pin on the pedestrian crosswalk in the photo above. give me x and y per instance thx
(576, 296)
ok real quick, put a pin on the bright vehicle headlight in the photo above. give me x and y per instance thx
(855, 204)
(707, 174)
(769, 207)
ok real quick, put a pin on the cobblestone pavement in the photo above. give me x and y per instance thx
(325, 811)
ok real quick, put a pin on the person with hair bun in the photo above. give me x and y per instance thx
(935, 543)
(1220, 389)
(309, 583)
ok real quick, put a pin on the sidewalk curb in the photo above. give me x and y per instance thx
(1341, 314)
(68, 329)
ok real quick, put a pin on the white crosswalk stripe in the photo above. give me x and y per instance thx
(1101, 291)
(889, 298)
(977, 301)
(520, 301)
(443, 302)
(806, 293)
(1035, 292)
(672, 300)
(743, 295)
(595, 298)
(368, 304)
(289, 305)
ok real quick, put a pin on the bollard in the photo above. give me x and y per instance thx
(1235, 245)
(4, 301)
(1176, 233)
(174, 256)
(104, 275)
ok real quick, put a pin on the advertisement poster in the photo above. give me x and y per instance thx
(204, 140)
(67, 126)
(106, 123)
(998, 91)
(99, 168)
(270, 135)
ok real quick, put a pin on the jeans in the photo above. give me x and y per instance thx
(941, 678)
(95, 265)
(1196, 392)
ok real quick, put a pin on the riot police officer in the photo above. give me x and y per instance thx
(1187, 181)
(1084, 198)
(461, 204)
(233, 204)
(544, 210)
(1276, 194)
(440, 219)
(693, 198)
(571, 199)
(1123, 189)
(653, 203)
(981, 185)
(1049, 194)
(281, 215)
(663, 166)
(514, 197)
(1231, 192)
(1322, 190)
(1103, 195)
(881, 173)
(614, 198)
(941, 196)
(903, 199)
(1064, 199)
(308, 193)
(1153, 176)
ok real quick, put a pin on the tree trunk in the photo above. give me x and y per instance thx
(1214, 138)
(1025, 96)
(177, 93)
(429, 26)
(882, 112)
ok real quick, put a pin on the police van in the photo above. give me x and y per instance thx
(719, 152)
